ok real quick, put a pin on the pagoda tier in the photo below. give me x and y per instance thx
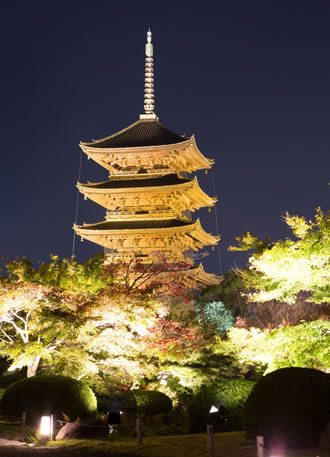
(159, 197)
(142, 238)
(146, 147)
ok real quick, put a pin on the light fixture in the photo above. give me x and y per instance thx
(46, 427)
(214, 409)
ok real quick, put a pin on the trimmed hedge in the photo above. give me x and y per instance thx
(231, 393)
(152, 402)
(49, 394)
(291, 405)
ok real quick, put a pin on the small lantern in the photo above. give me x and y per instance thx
(214, 409)
(46, 427)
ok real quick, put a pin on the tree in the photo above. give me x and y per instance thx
(73, 318)
(282, 269)
(91, 318)
(304, 345)
(214, 318)
(38, 323)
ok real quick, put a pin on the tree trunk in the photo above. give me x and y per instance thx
(32, 369)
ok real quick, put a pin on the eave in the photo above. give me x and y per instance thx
(179, 157)
(187, 236)
(191, 195)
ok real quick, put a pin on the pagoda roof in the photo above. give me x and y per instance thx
(140, 134)
(167, 180)
(149, 227)
(137, 224)
(201, 278)
(171, 236)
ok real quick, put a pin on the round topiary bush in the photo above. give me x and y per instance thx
(152, 402)
(49, 395)
(230, 393)
(291, 405)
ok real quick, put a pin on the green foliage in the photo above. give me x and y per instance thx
(214, 317)
(290, 404)
(282, 269)
(66, 274)
(152, 403)
(49, 394)
(114, 325)
(303, 345)
(37, 322)
(231, 393)
(58, 317)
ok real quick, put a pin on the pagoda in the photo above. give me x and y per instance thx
(149, 195)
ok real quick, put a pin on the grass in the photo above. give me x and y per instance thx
(232, 444)
(226, 445)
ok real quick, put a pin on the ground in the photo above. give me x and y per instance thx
(225, 444)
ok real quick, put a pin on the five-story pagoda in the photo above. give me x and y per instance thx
(149, 197)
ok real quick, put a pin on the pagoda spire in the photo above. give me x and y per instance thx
(149, 102)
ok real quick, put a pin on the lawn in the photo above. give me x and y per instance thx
(232, 444)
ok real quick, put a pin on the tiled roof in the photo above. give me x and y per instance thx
(131, 225)
(167, 180)
(141, 133)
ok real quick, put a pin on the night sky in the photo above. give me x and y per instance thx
(250, 79)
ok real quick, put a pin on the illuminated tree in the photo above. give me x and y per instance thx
(39, 323)
(303, 345)
(92, 319)
(282, 269)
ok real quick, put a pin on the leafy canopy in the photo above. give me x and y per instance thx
(303, 345)
(120, 322)
(282, 269)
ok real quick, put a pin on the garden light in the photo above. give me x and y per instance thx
(46, 427)
(214, 409)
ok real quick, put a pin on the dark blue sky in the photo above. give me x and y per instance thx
(250, 79)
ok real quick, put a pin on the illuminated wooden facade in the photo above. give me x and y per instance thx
(149, 195)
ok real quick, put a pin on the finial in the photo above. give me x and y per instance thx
(149, 47)
(149, 103)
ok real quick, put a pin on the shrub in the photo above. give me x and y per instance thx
(214, 317)
(152, 402)
(49, 394)
(289, 404)
(230, 393)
